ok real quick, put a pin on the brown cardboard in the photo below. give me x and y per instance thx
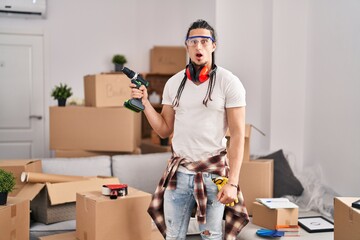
(116, 129)
(247, 141)
(30, 190)
(19, 166)
(126, 218)
(61, 236)
(157, 82)
(155, 139)
(145, 125)
(256, 181)
(346, 219)
(15, 219)
(156, 235)
(269, 218)
(148, 147)
(167, 59)
(56, 201)
(84, 153)
(106, 90)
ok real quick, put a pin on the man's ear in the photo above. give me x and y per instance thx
(214, 46)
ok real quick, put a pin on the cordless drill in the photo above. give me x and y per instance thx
(135, 104)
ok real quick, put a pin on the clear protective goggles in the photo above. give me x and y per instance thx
(195, 40)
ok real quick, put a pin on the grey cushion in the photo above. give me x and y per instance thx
(80, 166)
(40, 229)
(140, 171)
(285, 182)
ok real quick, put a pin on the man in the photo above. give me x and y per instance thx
(199, 104)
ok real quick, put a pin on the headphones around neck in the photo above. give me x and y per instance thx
(200, 75)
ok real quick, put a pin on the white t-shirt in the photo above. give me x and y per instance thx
(199, 131)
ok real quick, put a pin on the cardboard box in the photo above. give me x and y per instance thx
(157, 82)
(247, 141)
(115, 129)
(157, 140)
(126, 218)
(148, 147)
(145, 125)
(346, 219)
(156, 85)
(84, 153)
(106, 90)
(15, 219)
(55, 202)
(256, 181)
(269, 218)
(167, 59)
(19, 166)
(156, 235)
(61, 236)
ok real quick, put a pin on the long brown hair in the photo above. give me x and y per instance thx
(212, 76)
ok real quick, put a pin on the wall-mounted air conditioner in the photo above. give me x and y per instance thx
(26, 8)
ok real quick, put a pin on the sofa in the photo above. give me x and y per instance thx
(142, 172)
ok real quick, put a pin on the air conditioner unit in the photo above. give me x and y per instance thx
(26, 8)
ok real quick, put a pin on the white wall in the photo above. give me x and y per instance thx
(244, 47)
(299, 61)
(82, 36)
(332, 136)
(300, 64)
(288, 77)
(315, 82)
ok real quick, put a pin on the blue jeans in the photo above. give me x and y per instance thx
(179, 203)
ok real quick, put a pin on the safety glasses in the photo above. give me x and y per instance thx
(195, 40)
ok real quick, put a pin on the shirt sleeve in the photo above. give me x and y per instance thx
(166, 99)
(235, 93)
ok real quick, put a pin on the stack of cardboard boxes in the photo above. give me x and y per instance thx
(97, 216)
(165, 61)
(102, 126)
(49, 202)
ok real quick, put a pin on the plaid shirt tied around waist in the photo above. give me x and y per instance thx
(236, 217)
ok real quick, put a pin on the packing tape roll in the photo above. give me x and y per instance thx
(122, 189)
(35, 177)
(105, 191)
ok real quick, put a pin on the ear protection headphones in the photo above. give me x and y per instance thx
(200, 75)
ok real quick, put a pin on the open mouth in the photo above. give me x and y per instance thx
(199, 55)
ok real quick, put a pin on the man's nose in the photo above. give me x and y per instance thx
(198, 44)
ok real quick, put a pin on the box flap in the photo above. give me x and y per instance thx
(30, 190)
(247, 131)
(60, 193)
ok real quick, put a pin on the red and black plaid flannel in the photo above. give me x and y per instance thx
(236, 217)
